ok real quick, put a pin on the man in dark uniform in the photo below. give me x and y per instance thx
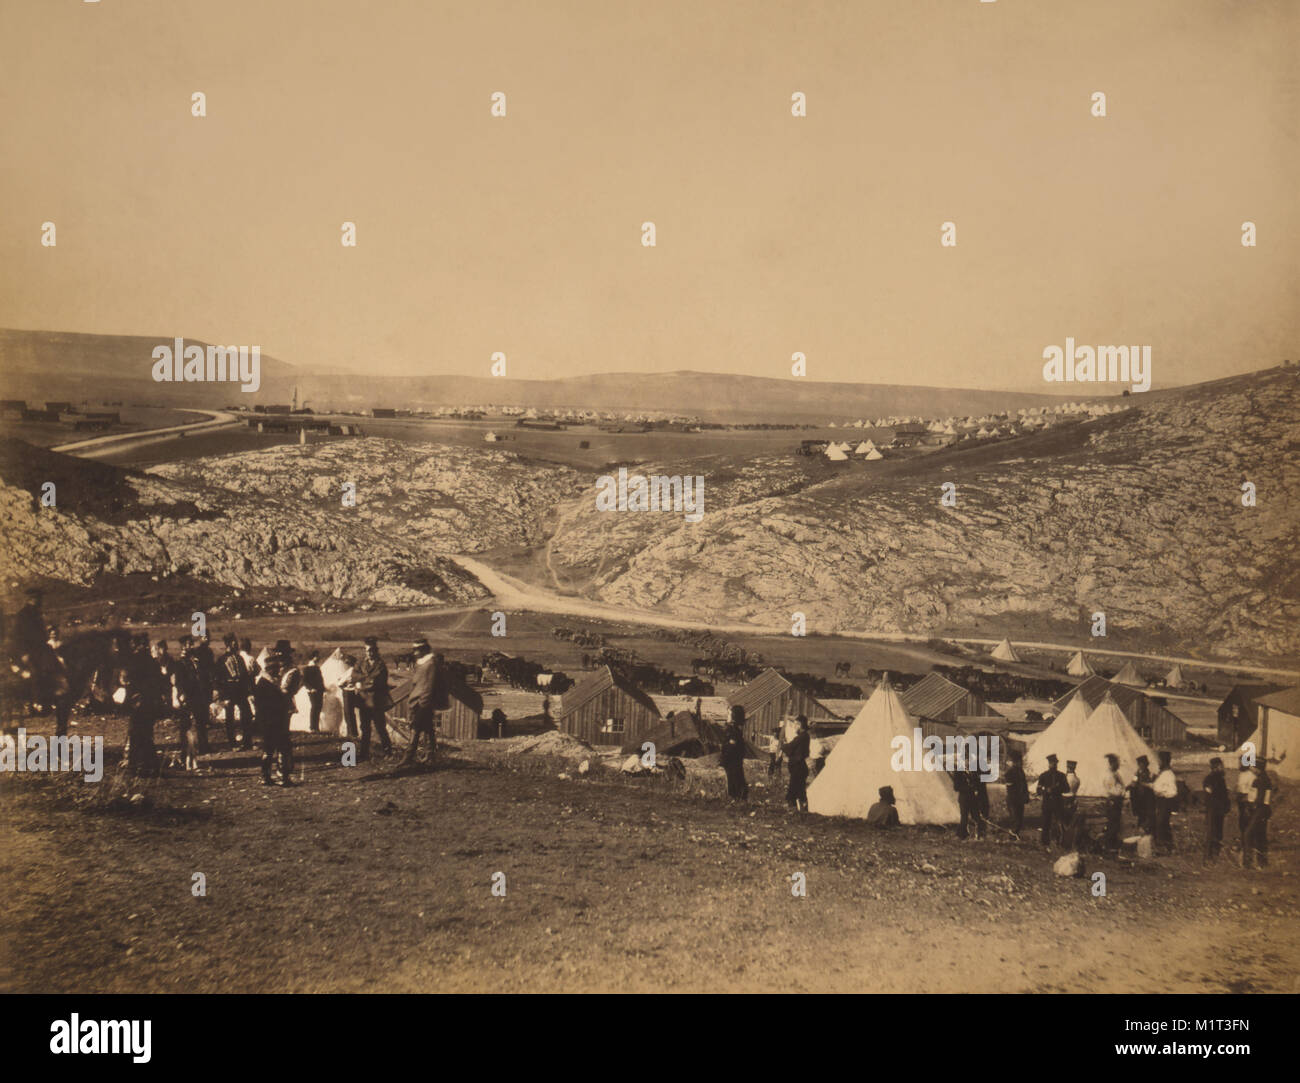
(883, 814)
(235, 685)
(797, 752)
(426, 684)
(1217, 803)
(1052, 788)
(170, 690)
(58, 682)
(147, 689)
(315, 685)
(1143, 797)
(196, 687)
(733, 755)
(973, 800)
(370, 682)
(272, 709)
(1017, 792)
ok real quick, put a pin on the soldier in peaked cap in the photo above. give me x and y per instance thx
(1052, 788)
(426, 684)
(370, 683)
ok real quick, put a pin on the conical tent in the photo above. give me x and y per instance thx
(1079, 666)
(1088, 742)
(1005, 652)
(864, 448)
(1174, 678)
(862, 762)
(873, 455)
(1057, 737)
(835, 454)
(1130, 676)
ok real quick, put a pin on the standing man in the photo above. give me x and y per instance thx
(315, 685)
(1017, 792)
(1052, 788)
(1166, 791)
(196, 694)
(774, 747)
(58, 682)
(370, 682)
(1112, 789)
(145, 687)
(1143, 798)
(797, 752)
(421, 702)
(272, 710)
(235, 685)
(973, 800)
(1260, 811)
(1215, 787)
(733, 755)
(1245, 795)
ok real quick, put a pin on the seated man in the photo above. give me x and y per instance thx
(883, 813)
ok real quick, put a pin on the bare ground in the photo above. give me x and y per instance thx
(362, 880)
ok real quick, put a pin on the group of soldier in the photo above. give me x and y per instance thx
(1154, 798)
(255, 695)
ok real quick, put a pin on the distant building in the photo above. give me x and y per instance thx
(60, 407)
(1239, 711)
(13, 409)
(606, 709)
(491, 437)
(383, 411)
(769, 699)
(935, 698)
(1155, 724)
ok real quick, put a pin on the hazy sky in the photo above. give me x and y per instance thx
(775, 234)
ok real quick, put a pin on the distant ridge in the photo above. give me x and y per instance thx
(72, 365)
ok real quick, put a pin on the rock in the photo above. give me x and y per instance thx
(1068, 865)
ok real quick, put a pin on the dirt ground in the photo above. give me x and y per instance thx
(363, 879)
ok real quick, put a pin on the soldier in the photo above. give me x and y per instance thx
(733, 755)
(973, 800)
(883, 814)
(1017, 792)
(1245, 795)
(1261, 810)
(422, 702)
(1143, 798)
(1052, 788)
(1112, 787)
(196, 692)
(235, 685)
(273, 719)
(170, 690)
(1165, 787)
(370, 683)
(1071, 800)
(58, 681)
(315, 685)
(1215, 788)
(797, 752)
(147, 691)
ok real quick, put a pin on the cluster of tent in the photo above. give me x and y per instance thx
(839, 453)
(862, 760)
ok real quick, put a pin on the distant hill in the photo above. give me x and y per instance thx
(62, 365)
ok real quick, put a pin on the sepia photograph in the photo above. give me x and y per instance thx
(729, 496)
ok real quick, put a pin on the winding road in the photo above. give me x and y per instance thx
(102, 445)
(512, 593)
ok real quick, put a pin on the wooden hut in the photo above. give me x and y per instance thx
(459, 721)
(606, 709)
(934, 698)
(1239, 711)
(768, 699)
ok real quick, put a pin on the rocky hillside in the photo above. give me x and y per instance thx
(1140, 518)
(275, 518)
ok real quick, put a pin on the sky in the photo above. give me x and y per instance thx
(775, 234)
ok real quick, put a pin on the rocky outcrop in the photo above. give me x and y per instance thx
(1142, 521)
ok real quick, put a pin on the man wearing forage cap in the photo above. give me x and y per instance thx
(426, 686)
